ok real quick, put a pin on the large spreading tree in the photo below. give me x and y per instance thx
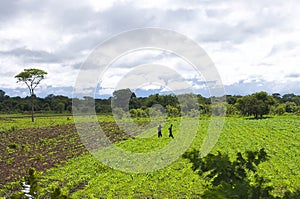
(257, 104)
(32, 78)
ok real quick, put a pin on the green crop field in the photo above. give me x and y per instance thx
(53, 146)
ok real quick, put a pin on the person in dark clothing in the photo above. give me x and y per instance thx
(171, 131)
(159, 131)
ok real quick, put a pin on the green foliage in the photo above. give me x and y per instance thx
(279, 110)
(121, 98)
(60, 107)
(232, 178)
(291, 98)
(58, 194)
(18, 195)
(232, 99)
(257, 104)
(292, 195)
(13, 146)
(32, 180)
(118, 112)
(35, 189)
(173, 111)
(290, 107)
(31, 77)
(17, 122)
(205, 109)
(85, 177)
(219, 109)
(138, 113)
(231, 110)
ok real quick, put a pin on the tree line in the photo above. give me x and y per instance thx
(124, 101)
(256, 104)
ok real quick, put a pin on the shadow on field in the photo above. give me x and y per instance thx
(231, 179)
(7, 119)
(259, 118)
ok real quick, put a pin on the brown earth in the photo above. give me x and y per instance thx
(45, 147)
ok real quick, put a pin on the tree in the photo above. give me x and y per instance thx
(121, 98)
(2, 95)
(60, 107)
(280, 109)
(257, 104)
(172, 111)
(188, 102)
(231, 109)
(288, 97)
(290, 107)
(31, 77)
(232, 99)
(277, 97)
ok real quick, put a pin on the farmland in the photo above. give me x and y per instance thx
(52, 146)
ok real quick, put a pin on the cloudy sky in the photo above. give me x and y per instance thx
(255, 45)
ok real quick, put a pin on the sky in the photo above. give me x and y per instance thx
(254, 45)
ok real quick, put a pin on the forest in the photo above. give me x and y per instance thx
(256, 104)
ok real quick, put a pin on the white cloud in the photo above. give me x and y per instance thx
(249, 41)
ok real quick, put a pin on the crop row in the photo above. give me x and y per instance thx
(85, 177)
(45, 147)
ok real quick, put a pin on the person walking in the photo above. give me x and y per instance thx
(171, 131)
(159, 131)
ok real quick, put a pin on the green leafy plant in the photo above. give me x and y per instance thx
(32, 180)
(231, 179)
(58, 194)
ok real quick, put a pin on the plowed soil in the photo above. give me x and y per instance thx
(43, 148)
